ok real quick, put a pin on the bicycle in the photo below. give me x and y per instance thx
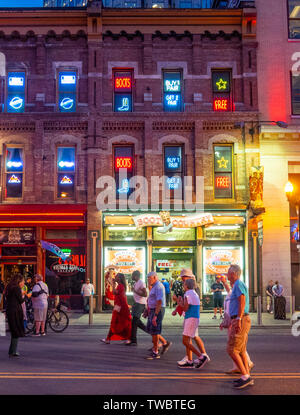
(57, 319)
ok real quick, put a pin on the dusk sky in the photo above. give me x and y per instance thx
(21, 3)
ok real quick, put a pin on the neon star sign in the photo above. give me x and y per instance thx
(221, 84)
(222, 163)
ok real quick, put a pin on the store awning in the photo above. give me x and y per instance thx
(42, 215)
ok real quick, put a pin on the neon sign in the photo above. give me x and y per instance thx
(66, 180)
(16, 81)
(221, 84)
(67, 103)
(173, 182)
(223, 182)
(172, 85)
(221, 104)
(173, 162)
(124, 186)
(68, 79)
(14, 179)
(68, 164)
(123, 163)
(123, 83)
(16, 103)
(16, 164)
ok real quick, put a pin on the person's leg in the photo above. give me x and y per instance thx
(37, 327)
(155, 342)
(10, 350)
(200, 344)
(215, 311)
(188, 352)
(189, 347)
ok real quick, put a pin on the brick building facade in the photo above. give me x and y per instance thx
(91, 47)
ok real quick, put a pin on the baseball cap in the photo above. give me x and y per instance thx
(188, 273)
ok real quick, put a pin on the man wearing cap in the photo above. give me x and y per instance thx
(240, 326)
(156, 305)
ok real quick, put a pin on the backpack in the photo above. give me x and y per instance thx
(35, 294)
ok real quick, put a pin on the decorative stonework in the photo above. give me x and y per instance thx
(122, 125)
(17, 126)
(65, 126)
(217, 125)
(173, 126)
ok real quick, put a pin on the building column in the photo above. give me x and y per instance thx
(199, 263)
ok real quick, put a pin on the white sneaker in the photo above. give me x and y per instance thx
(204, 354)
(182, 361)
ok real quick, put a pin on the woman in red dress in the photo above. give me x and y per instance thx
(120, 326)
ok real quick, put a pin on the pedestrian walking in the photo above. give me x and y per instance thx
(217, 288)
(39, 296)
(109, 277)
(191, 308)
(120, 326)
(177, 289)
(87, 290)
(279, 302)
(269, 293)
(1, 293)
(240, 326)
(140, 301)
(156, 305)
(14, 312)
(226, 323)
(167, 291)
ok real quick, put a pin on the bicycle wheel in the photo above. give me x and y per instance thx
(58, 321)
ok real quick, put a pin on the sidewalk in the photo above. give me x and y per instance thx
(78, 319)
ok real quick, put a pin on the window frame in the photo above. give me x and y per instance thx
(5, 173)
(170, 70)
(14, 70)
(228, 94)
(57, 173)
(169, 174)
(291, 89)
(58, 71)
(133, 172)
(288, 22)
(224, 199)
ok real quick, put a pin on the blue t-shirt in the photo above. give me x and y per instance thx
(157, 293)
(167, 286)
(194, 304)
(239, 288)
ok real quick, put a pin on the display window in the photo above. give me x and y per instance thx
(172, 91)
(217, 260)
(222, 91)
(67, 86)
(14, 168)
(223, 171)
(123, 169)
(124, 233)
(123, 80)
(16, 92)
(66, 172)
(126, 259)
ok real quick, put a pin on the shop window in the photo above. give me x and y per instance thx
(16, 92)
(295, 85)
(65, 172)
(67, 86)
(123, 168)
(173, 169)
(222, 91)
(294, 19)
(123, 80)
(14, 172)
(172, 91)
(223, 176)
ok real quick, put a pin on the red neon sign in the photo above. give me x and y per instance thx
(223, 182)
(123, 163)
(221, 104)
(123, 83)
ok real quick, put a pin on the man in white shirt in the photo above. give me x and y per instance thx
(87, 290)
(140, 302)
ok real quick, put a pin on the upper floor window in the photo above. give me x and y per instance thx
(67, 87)
(222, 92)
(14, 172)
(223, 174)
(173, 168)
(123, 168)
(294, 19)
(172, 90)
(122, 90)
(66, 172)
(295, 85)
(16, 92)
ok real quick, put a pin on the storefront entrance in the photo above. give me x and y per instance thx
(9, 270)
(169, 261)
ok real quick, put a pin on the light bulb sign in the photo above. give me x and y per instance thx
(16, 92)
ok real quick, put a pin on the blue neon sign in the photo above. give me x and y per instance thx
(123, 102)
(174, 182)
(172, 91)
(15, 92)
(67, 84)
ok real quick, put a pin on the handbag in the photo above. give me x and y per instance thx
(117, 308)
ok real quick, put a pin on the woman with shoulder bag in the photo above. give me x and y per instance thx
(120, 326)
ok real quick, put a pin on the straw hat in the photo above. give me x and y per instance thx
(187, 273)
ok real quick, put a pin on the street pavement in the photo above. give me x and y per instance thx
(75, 362)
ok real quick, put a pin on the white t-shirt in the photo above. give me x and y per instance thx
(194, 304)
(42, 300)
(87, 290)
(139, 285)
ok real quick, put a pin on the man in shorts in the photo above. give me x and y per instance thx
(191, 307)
(240, 326)
(156, 306)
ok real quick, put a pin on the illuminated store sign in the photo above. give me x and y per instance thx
(222, 104)
(172, 85)
(16, 92)
(173, 162)
(124, 186)
(174, 182)
(223, 182)
(66, 180)
(172, 90)
(14, 164)
(66, 164)
(123, 163)
(123, 83)
(66, 159)
(123, 91)
(16, 81)
(221, 87)
(14, 179)
(67, 85)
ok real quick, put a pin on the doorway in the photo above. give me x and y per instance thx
(8, 270)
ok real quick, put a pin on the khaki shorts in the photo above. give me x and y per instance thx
(237, 343)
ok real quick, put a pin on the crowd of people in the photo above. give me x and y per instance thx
(151, 304)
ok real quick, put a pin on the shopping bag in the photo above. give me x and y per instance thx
(2, 325)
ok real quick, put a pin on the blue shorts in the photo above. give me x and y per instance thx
(153, 330)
